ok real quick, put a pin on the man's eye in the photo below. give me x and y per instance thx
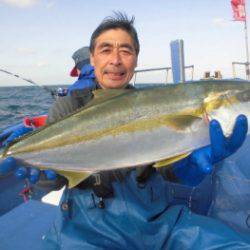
(126, 52)
(104, 51)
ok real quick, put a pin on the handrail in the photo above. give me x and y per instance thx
(240, 63)
(161, 69)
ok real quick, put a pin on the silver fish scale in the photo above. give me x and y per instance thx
(124, 149)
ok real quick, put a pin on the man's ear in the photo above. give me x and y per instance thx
(92, 61)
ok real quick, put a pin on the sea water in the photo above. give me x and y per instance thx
(18, 102)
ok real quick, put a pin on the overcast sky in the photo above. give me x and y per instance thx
(38, 37)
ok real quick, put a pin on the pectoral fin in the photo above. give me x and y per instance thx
(74, 178)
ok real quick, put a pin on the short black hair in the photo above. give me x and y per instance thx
(118, 21)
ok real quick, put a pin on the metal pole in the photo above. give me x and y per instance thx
(247, 52)
(135, 79)
(234, 72)
(167, 76)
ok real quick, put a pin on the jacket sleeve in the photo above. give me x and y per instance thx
(68, 104)
(61, 108)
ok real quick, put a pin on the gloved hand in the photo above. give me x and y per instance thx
(47, 180)
(10, 164)
(9, 135)
(194, 168)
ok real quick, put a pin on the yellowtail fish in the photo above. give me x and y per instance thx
(127, 128)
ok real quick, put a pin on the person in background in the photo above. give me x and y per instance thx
(83, 70)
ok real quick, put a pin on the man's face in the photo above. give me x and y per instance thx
(114, 59)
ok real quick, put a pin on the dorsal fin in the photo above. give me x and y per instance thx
(102, 95)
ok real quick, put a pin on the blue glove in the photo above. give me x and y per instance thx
(10, 164)
(194, 168)
(32, 174)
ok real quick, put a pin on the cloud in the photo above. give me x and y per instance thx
(41, 64)
(25, 51)
(20, 3)
(220, 22)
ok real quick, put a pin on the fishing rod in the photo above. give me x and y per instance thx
(52, 92)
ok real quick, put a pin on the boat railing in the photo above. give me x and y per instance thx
(246, 64)
(167, 69)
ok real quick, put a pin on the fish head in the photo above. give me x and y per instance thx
(226, 104)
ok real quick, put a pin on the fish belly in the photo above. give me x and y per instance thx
(122, 150)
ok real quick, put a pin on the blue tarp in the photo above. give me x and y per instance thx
(24, 226)
(174, 227)
(231, 190)
(140, 218)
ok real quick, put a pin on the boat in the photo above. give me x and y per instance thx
(27, 212)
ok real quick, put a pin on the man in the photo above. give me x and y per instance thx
(131, 208)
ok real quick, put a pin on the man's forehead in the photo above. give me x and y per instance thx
(114, 37)
(114, 44)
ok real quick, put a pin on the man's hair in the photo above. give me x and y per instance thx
(118, 21)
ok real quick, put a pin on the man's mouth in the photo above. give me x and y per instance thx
(114, 75)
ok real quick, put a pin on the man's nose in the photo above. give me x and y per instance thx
(115, 58)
